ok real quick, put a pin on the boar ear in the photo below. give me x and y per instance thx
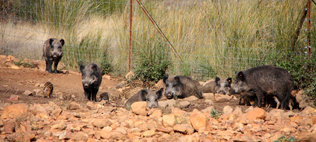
(51, 40)
(94, 67)
(62, 41)
(81, 68)
(241, 76)
(177, 79)
(217, 79)
(143, 94)
(159, 93)
(229, 80)
(165, 78)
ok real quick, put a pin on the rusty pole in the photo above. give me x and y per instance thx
(308, 18)
(130, 35)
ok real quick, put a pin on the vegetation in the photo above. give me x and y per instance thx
(212, 37)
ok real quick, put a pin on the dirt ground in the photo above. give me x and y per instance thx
(17, 81)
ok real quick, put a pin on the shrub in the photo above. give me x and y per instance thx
(152, 62)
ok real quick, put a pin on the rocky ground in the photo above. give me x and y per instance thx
(27, 116)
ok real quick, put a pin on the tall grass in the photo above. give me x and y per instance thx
(212, 37)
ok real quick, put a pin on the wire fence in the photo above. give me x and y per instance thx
(212, 37)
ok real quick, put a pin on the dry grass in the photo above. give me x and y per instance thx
(221, 36)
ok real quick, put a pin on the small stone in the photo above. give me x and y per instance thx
(155, 113)
(79, 136)
(149, 133)
(198, 120)
(28, 93)
(184, 104)
(223, 98)
(257, 113)
(14, 111)
(8, 127)
(168, 120)
(191, 98)
(59, 126)
(100, 123)
(164, 129)
(227, 110)
(73, 106)
(37, 92)
(210, 102)
(13, 98)
(309, 111)
(121, 84)
(167, 103)
(183, 128)
(139, 108)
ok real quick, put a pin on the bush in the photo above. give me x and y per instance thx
(302, 69)
(152, 62)
(106, 67)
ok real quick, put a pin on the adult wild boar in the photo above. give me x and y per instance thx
(181, 87)
(52, 53)
(150, 96)
(91, 80)
(265, 80)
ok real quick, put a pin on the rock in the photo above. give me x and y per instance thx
(121, 130)
(277, 114)
(14, 111)
(223, 98)
(155, 113)
(309, 111)
(198, 120)
(164, 129)
(169, 120)
(59, 126)
(237, 112)
(167, 103)
(249, 109)
(302, 99)
(184, 104)
(121, 84)
(191, 98)
(37, 92)
(139, 108)
(149, 133)
(130, 75)
(9, 127)
(100, 123)
(210, 102)
(91, 105)
(79, 136)
(28, 93)
(183, 128)
(227, 110)
(256, 113)
(106, 77)
(208, 96)
(73, 106)
(13, 98)
(308, 138)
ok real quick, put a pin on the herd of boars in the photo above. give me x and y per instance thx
(256, 86)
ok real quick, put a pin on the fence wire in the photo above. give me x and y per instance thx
(212, 37)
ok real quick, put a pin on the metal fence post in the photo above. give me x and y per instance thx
(308, 18)
(130, 35)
